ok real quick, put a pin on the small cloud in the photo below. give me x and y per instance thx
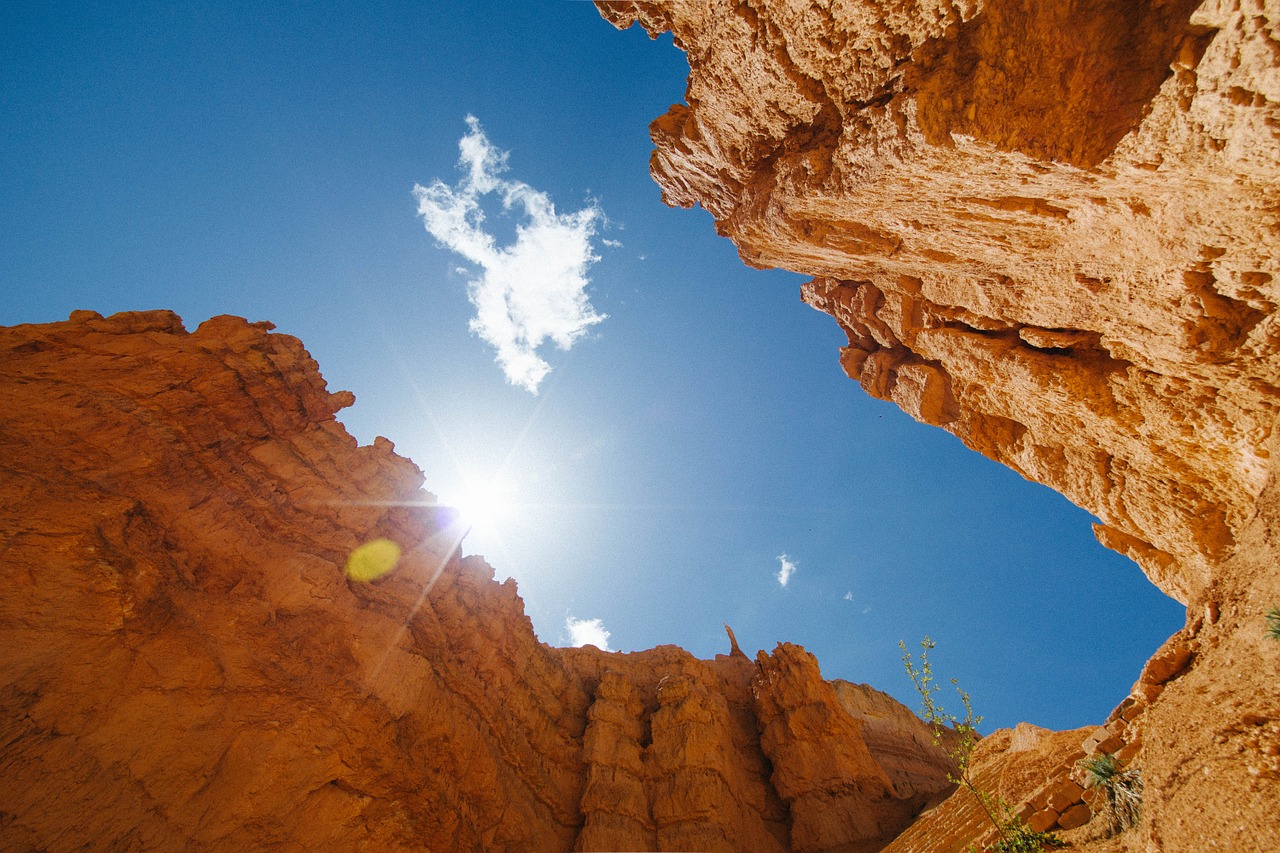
(866, 609)
(526, 293)
(583, 632)
(848, 596)
(612, 244)
(786, 568)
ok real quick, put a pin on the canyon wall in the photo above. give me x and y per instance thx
(1046, 228)
(1050, 229)
(188, 665)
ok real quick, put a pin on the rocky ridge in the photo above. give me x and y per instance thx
(188, 667)
(1051, 230)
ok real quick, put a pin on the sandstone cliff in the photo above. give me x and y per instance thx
(1050, 229)
(1046, 228)
(187, 666)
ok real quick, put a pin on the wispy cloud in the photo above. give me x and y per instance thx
(584, 632)
(526, 293)
(848, 596)
(786, 568)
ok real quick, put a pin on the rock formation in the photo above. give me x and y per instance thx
(188, 667)
(1050, 229)
(1046, 228)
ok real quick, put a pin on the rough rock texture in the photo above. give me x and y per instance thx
(186, 666)
(1047, 228)
(1011, 763)
(902, 743)
(1050, 229)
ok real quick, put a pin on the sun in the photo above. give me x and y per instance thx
(485, 504)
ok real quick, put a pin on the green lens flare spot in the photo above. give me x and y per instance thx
(372, 560)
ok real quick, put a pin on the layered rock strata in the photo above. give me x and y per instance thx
(187, 666)
(1051, 230)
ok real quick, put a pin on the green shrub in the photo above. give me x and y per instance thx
(1273, 623)
(1121, 805)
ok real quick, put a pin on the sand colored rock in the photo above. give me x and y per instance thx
(902, 743)
(188, 667)
(1048, 229)
(1010, 763)
(1051, 230)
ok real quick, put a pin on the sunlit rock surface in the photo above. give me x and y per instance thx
(1047, 228)
(1050, 229)
(188, 666)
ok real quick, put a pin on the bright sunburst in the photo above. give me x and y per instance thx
(485, 504)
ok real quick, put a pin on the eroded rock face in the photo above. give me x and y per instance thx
(187, 667)
(1049, 229)
(1052, 230)
(823, 768)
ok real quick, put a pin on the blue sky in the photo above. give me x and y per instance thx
(263, 163)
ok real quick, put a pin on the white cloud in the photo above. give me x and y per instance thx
(786, 569)
(848, 596)
(530, 291)
(584, 632)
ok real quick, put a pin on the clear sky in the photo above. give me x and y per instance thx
(697, 435)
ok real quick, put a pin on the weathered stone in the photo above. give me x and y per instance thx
(1050, 229)
(1088, 326)
(901, 742)
(1044, 820)
(1172, 659)
(835, 790)
(1128, 752)
(1077, 815)
(188, 667)
(1064, 794)
(1016, 775)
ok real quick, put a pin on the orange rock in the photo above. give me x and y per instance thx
(835, 789)
(1064, 794)
(1172, 659)
(1077, 815)
(1043, 820)
(188, 665)
(901, 742)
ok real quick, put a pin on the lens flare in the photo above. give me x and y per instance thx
(372, 560)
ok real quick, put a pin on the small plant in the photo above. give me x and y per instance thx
(1014, 835)
(1273, 623)
(1121, 789)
